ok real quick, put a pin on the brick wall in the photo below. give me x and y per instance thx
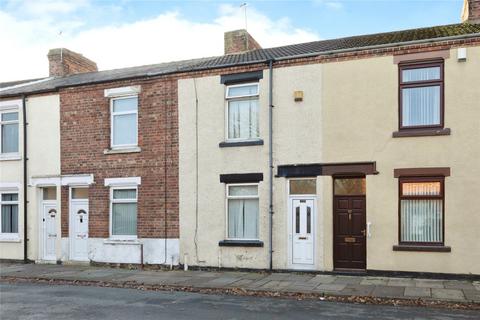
(85, 134)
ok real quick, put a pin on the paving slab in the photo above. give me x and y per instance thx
(388, 292)
(357, 290)
(324, 279)
(347, 280)
(374, 281)
(415, 292)
(401, 282)
(447, 294)
(330, 287)
(472, 295)
(423, 283)
(455, 284)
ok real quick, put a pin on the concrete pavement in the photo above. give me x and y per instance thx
(276, 283)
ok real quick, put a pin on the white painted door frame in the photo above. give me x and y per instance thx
(71, 222)
(290, 231)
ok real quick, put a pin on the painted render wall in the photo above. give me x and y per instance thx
(11, 179)
(349, 112)
(43, 116)
(360, 112)
(291, 145)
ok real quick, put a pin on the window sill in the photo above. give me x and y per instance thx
(122, 150)
(421, 132)
(122, 241)
(10, 239)
(227, 144)
(10, 157)
(240, 243)
(422, 248)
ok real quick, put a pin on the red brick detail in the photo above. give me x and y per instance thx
(471, 11)
(63, 62)
(239, 41)
(85, 134)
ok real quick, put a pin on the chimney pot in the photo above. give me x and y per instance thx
(63, 62)
(471, 11)
(239, 41)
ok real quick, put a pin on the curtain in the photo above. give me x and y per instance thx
(9, 137)
(10, 218)
(421, 220)
(124, 219)
(124, 129)
(421, 74)
(243, 119)
(243, 218)
(421, 106)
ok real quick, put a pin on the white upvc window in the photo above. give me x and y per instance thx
(9, 126)
(123, 212)
(9, 214)
(242, 211)
(242, 112)
(124, 122)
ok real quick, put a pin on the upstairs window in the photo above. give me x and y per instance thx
(421, 95)
(124, 122)
(242, 112)
(9, 131)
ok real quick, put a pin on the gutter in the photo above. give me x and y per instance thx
(25, 182)
(307, 55)
(270, 161)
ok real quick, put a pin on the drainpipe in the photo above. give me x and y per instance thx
(270, 159)
(25, 201)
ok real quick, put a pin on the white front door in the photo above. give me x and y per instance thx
(302, 215)
(49, 231)
(79, 230)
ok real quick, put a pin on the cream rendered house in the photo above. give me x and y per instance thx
(373, 146)
(42, 170)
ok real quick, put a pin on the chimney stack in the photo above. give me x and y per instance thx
(471, 11)
(239, 41)
(63, 62)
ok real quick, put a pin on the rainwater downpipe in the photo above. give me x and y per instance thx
(270, 159)
(25, 200)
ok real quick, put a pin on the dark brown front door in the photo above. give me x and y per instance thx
(349, 223)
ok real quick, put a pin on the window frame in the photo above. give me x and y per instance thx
(113, 114)
(229, 98)
(414, 179)
(10, 235)
(112, 201)
(228, 197)
(409, 65)
(2, 123)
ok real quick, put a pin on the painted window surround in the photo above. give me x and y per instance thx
(112, 94)
(6, 107)
(116, 184)
(11, 187)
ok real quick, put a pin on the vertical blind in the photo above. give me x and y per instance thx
(124, 214)
(125, 121)
(243, 119)
(421, 219)
(421, 106)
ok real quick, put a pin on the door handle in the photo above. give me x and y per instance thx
(364, 232)
(52, 235)
(302, 238)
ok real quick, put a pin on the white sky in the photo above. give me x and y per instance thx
(31, 28)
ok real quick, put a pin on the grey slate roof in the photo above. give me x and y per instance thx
(255, 56)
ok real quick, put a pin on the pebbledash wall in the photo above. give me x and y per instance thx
(85, 143)
(349, 112)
